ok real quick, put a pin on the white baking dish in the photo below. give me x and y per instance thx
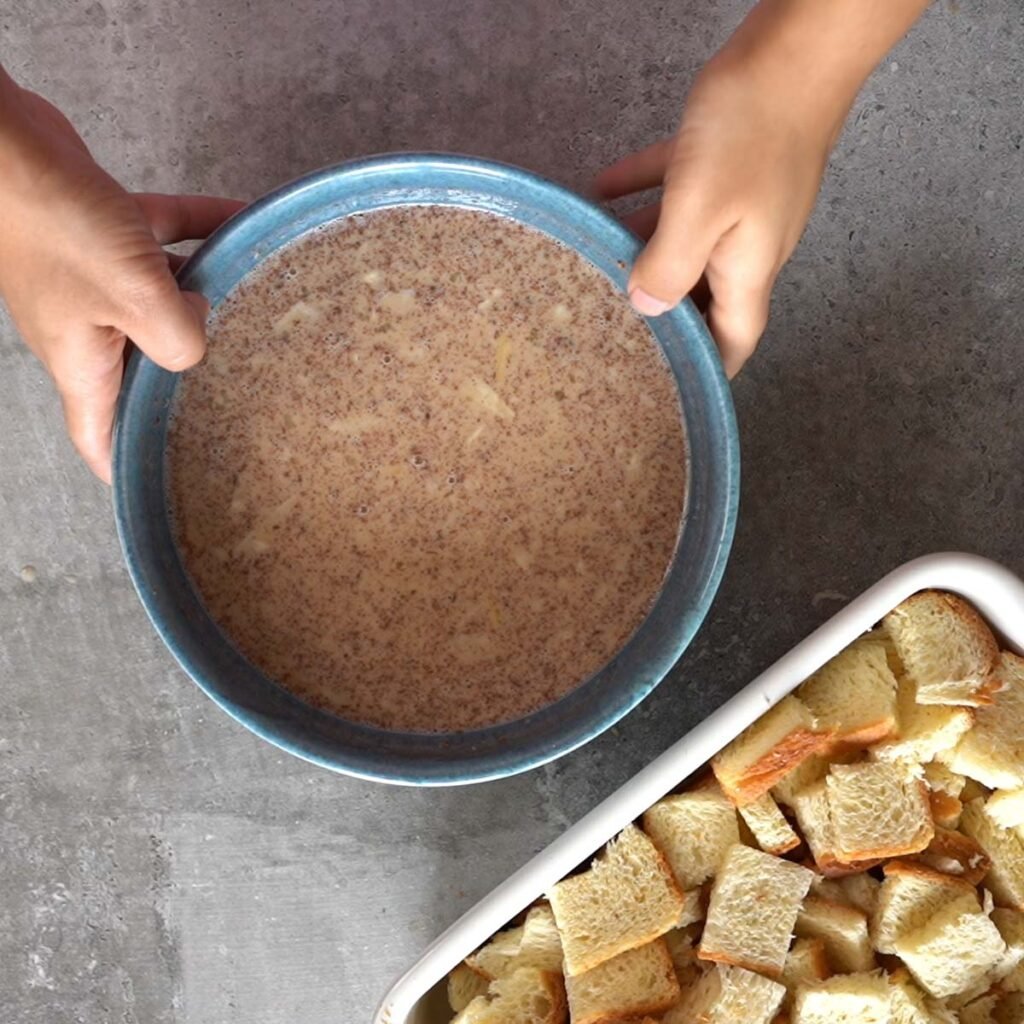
(419, 996)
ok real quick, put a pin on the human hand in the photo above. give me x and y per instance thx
(740, 179)
(82, 267)
(742, 173)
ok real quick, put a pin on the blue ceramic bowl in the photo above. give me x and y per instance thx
(140, 503)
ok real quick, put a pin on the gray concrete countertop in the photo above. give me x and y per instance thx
(157, 862)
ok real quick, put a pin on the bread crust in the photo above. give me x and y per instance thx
(575, 961)
(653, 1006)
(983, 694)
(759, 777)
(920, 841)
(556, 991)
(916, 870)
(873, 732)
(945, 809)
(832, 867)
(966, 851)
(757, 966)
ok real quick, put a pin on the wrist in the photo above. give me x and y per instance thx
(20, 157)
(809, 58)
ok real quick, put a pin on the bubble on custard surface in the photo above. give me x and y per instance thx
(362, 511)
(418, 462)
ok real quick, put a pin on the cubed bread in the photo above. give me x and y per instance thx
(981, 1010)
(1014, 981)
(992, 752)
(764, 752)
(492, 960)
(908, 1004)
(814, 818)
(910, 894)
(728, 995)
(946, 649)
(693, 831)
(813, 769)
(853, 696)
(954, 950)
(844, 999)
(941, 779)
(1005, 849)
(944, 791)
(955, 854)
(881, 636)
(464, 985)
(768, 825)
(525, 996)
(944, 809)
(693, 907)
(1010, 1008)
(628, 898)
(810, 805)
(923, 730)
(878, 810)
(861, 891)
(541, 945)
(634, 983)
(973, 790)
(680, 944)
(843, 929)
(826, 888)
(1011, 927)
(1006, 807)
(806, 962)
(739, 930)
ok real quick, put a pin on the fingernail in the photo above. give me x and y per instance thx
(646, 304)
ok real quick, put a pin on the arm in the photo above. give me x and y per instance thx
(741, 176)
(82, 268)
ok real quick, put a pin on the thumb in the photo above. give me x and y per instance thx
(674, 260)
(169, 325)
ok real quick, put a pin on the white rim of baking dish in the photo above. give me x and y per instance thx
(994, 590)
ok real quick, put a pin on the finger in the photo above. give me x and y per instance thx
(169, 325)
(179, 218)
(642, 222)
(88, 375)
(634, 173)
(737, 319)
(700, 293)
(675, 257)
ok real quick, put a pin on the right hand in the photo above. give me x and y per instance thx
(742, 174)
(82, 267)
(740, 180)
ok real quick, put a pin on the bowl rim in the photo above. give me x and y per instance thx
(689, 323)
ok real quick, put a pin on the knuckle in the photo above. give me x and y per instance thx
(143, 292)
